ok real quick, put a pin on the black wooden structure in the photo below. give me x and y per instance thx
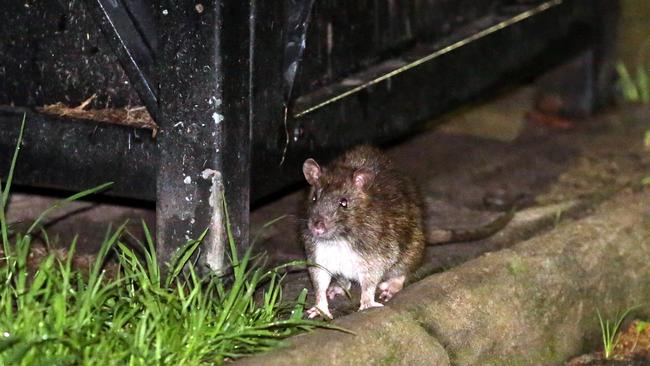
(244, 90)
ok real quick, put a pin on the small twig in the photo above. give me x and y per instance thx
(85, 103)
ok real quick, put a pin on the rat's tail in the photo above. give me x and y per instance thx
(441, 236)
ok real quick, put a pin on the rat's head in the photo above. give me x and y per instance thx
(338, 194)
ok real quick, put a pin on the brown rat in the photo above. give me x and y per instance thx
(365, 225)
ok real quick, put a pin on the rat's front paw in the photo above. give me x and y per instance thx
(314, 312)
(368, 305)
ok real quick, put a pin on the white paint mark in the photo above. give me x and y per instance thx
(217, 118)
(216, 238)
(207, 173)
(187, 180)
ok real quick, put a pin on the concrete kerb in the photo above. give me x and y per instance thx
(382, 337)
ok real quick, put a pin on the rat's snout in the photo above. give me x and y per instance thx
(317, 226)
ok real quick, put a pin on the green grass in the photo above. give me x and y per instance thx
(646, 143)
(57, 315)
(609, 331)
(635, 87)
(638, 329)
(634, 84)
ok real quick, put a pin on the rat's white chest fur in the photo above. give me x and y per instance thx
(338, 257)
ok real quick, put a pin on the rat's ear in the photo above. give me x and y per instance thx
(363, 177)
(312, 171)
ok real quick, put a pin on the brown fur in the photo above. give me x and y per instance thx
(382, 221)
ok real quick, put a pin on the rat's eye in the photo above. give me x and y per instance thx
(343, 202)
(313, 198)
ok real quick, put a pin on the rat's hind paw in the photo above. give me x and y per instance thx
(369, 305)
(390, 288)
(314, 312)
(385, 295)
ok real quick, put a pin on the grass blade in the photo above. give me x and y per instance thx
(4, 227)
(642, 84)
(65, 201)
(10, 176)
(628, 87)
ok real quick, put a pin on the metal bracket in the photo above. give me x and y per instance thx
(129, 27)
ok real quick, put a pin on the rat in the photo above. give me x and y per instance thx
(365, 225)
